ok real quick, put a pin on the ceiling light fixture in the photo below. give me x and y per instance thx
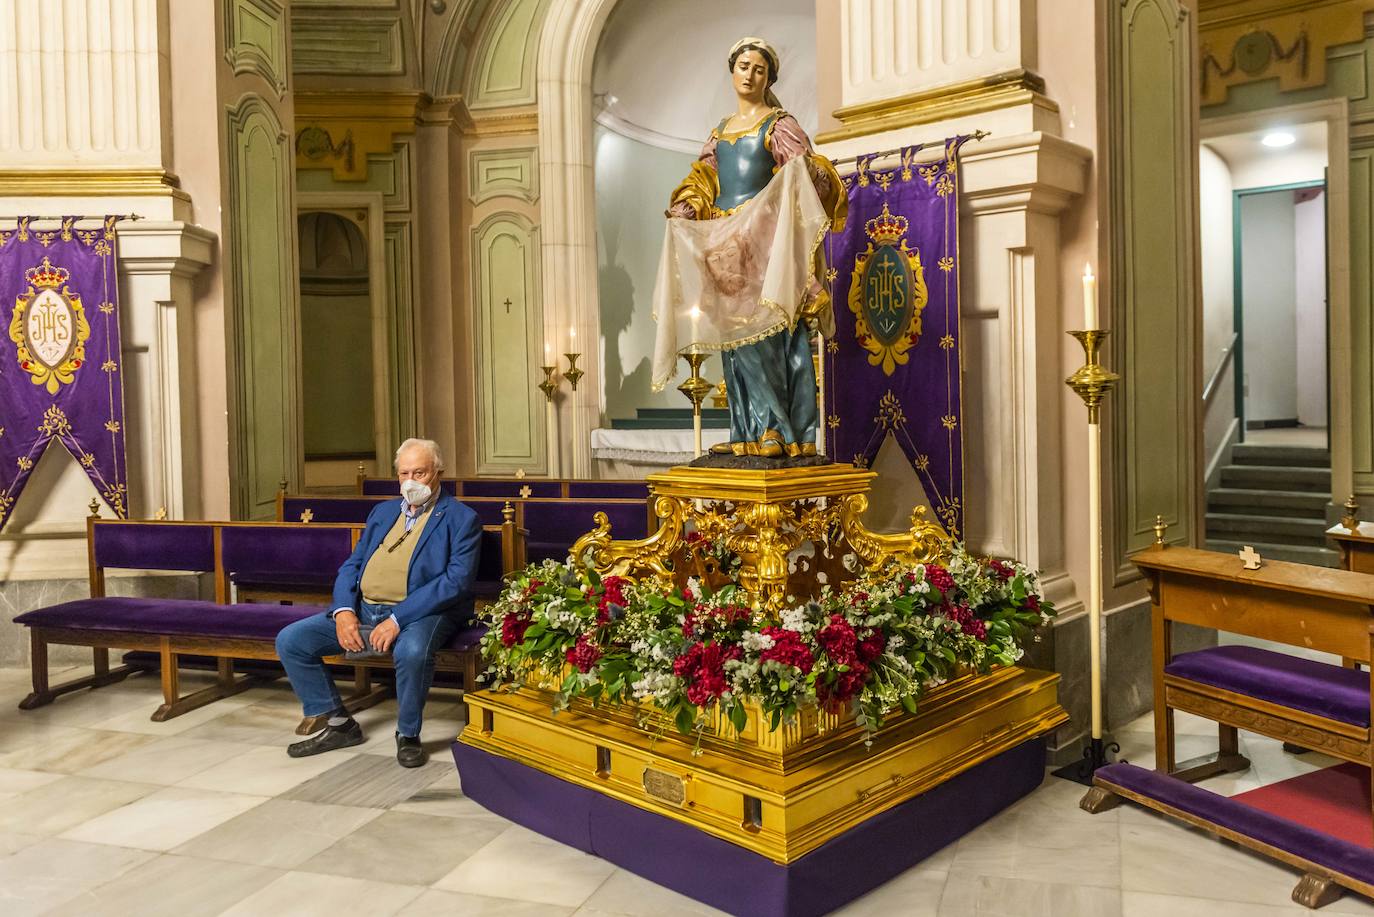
(1278, 139)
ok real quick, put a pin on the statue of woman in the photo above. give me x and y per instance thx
(742, 269)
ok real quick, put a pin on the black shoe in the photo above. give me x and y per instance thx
(328, 739)
(409, 751)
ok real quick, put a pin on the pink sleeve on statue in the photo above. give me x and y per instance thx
(788, 141)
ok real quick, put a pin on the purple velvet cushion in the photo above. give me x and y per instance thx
(252, 549)
(328, 509)
(181, 617)
(154, 546)
(1333, 853)
(626, 490)
(466, 637)
(1290, 681)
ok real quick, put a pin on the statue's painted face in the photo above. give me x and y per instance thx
(750, 75)
(729, 265)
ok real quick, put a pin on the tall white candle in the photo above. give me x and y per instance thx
(695, 313)
(1089, 299)
(572, 339)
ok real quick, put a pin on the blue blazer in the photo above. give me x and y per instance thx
(442, 568)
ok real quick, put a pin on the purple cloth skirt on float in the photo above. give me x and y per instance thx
(732, 878)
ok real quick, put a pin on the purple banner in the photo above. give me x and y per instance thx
(893, 365)
(60, 376)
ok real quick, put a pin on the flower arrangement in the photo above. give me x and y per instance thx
(872, 645)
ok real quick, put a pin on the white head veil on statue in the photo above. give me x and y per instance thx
(768, 51)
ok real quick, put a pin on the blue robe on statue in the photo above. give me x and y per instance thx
(771, 383)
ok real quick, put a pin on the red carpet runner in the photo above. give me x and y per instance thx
(1334, 800)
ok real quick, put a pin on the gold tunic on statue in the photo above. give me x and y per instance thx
(384, 577)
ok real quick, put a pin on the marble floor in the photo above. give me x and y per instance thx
(105, 812)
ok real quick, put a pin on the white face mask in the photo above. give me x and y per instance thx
(414, 492)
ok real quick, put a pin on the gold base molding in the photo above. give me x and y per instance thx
(1002, 90)
(89, 182)
(781, 798)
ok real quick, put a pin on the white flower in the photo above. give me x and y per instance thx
(694, 584)
(755, 642)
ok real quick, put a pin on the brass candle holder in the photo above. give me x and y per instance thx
(1090, 381)
(696, 389)
(550, 384)
(573, 373)
(1351, 519)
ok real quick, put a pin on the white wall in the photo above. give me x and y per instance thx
(1310, 256)
(1277, 167)
(1268, 292)
(1218, 294)
(633, 182)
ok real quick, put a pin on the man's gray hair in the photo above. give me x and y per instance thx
(428, 445)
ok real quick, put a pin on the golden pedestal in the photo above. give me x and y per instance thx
(780, 793)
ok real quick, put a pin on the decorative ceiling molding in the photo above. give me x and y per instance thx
(1244, 41)
(346, 44)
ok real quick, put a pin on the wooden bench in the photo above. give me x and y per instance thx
(1315, 705)
(263, 558)
(1307, 703)
(168, 627)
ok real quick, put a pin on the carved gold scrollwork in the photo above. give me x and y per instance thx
(925, 542)
(770, 536)
(631, 557)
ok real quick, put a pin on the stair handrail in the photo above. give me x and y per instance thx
(1228, 353)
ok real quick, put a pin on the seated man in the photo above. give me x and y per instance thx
(408, 582)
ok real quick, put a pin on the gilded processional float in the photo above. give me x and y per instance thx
(764, 704)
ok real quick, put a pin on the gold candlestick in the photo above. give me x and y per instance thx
(573, 373)
(695, 388)
(1092, 383)
(1351, 519)
(550, 384)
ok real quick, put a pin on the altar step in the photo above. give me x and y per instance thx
(1274, 498)
(672, 419)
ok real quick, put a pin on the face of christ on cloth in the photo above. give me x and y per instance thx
(730, 263)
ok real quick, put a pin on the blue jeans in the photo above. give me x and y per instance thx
(302, 645)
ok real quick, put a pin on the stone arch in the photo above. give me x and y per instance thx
(567, 211)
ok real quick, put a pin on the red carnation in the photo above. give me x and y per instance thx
(1033, 602)
(835, 694)
(703, 668)
(513, 627)
(583, 655)
(788, 649)
(839, 641)
(1005, 571)
(940, 578)
(872, 647)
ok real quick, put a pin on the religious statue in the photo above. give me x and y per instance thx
(742, 269)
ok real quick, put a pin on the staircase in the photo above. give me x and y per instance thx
(1273, 497)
